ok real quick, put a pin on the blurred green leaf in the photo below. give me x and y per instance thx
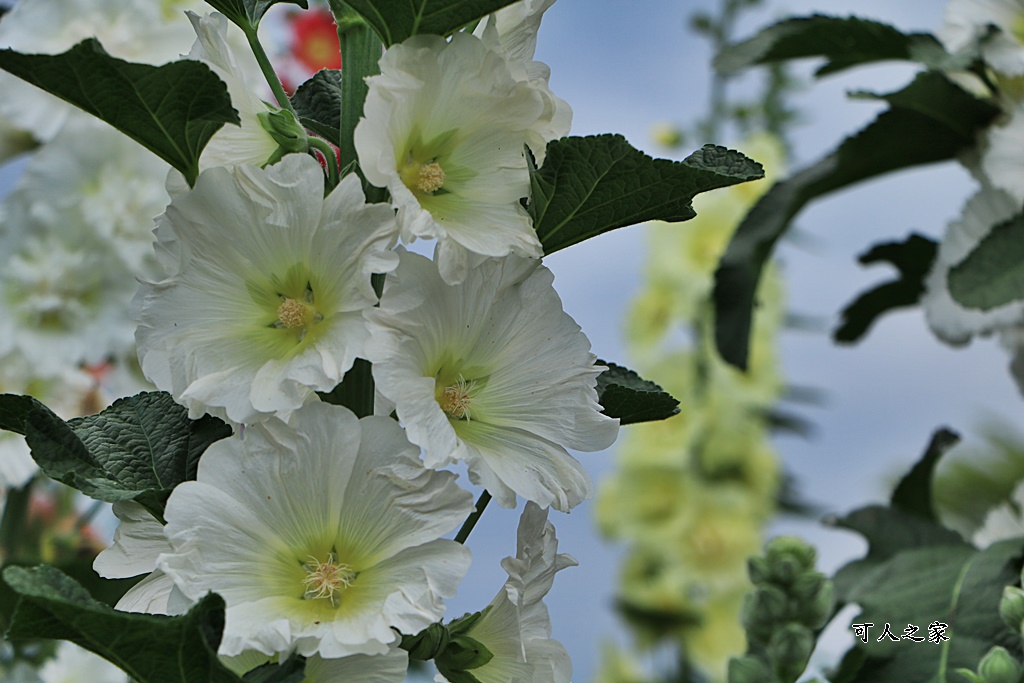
(913, 494)
(992, 275)
(318, 104)
(624, 394)
(396, 20)
(246, 14)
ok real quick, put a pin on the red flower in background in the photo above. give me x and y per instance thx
(315, 40)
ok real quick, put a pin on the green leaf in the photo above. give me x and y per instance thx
(150, 648)
(913, 494)
(930, 120)
(318, 104)
(624, 394)
(992, 275)
(957, 586)
(888, 531)
(246, 14)
(290, 671)
(913, 259)
(843, 41)
(14, 410)
(172, 110)
(355, 391)
(137, 449)
(396, 20)
(590, 185)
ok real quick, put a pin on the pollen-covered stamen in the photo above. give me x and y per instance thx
(326, 580)
(455, 399)
(293, 314)
(431, 177)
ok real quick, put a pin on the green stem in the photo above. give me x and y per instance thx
(361, 50)
(330, 160)
(268, 69)
(474, 517)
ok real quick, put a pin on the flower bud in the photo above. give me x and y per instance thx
(426, 644)
(766, 608)
(1011, 607)
(788, 557)
(998, 666)
(749, 669)
(790, 649)
(285, 130)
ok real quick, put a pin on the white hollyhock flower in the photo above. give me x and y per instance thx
(387, 668)
(264, 306)
(74, 664)
(232, 145)
(493, 372)
(444, 129)
(94, 175)
(967, 21)
(1003, 521)
(512, 31)
(516, 628)
(61, 304)
(321, 535)
(948, 319)
(1002, 159)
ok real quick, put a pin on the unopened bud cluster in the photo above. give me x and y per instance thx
(789, 603)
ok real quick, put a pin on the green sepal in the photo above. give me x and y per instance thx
(625, 395)
(930, 120)
(992, 274)
(54, 606)
(396, 20)
(246, 14)
(427, 644)
(172, 110)
(591, 185)
(285, 130)
(913, 259)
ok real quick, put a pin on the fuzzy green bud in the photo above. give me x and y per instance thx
(764, 610)
(787, 557)
(790, 649)
(749, 669)
(998, 666)
(1011, 608)
(813, 598)
(285, 130)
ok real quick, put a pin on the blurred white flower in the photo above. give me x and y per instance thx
(516, 628)
(269, 279)
(74, 664)
(1002, 159)
(321, 535)
(967, 21)
(385, 668)
(1003, 522)
(493, 372)
(451, 150)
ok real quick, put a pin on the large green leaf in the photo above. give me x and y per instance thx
(913, 258)
(992, 275)
(590, 185)
(930, 120)
(624, 394)
(246, 14)
(172, 110)
(137, 449)
(150, 648)
(913, 493)
(396, 20)
(843, 41)
(958, 587)
(318, 104)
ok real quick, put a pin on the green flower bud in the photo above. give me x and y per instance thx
(1011, 607)
(426, 644)
(813, 599)
(758, 569)
(465, 653)
(764, 610)
(790, 649)
(998, 666)
(285, 130)
(788, 557)
(749, 669)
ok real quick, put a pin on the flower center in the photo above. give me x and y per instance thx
(297, 314)
(423, 178)
(455, 399)
(326, 580)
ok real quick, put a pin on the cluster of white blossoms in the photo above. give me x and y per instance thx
(321, 531)
(994, 29)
